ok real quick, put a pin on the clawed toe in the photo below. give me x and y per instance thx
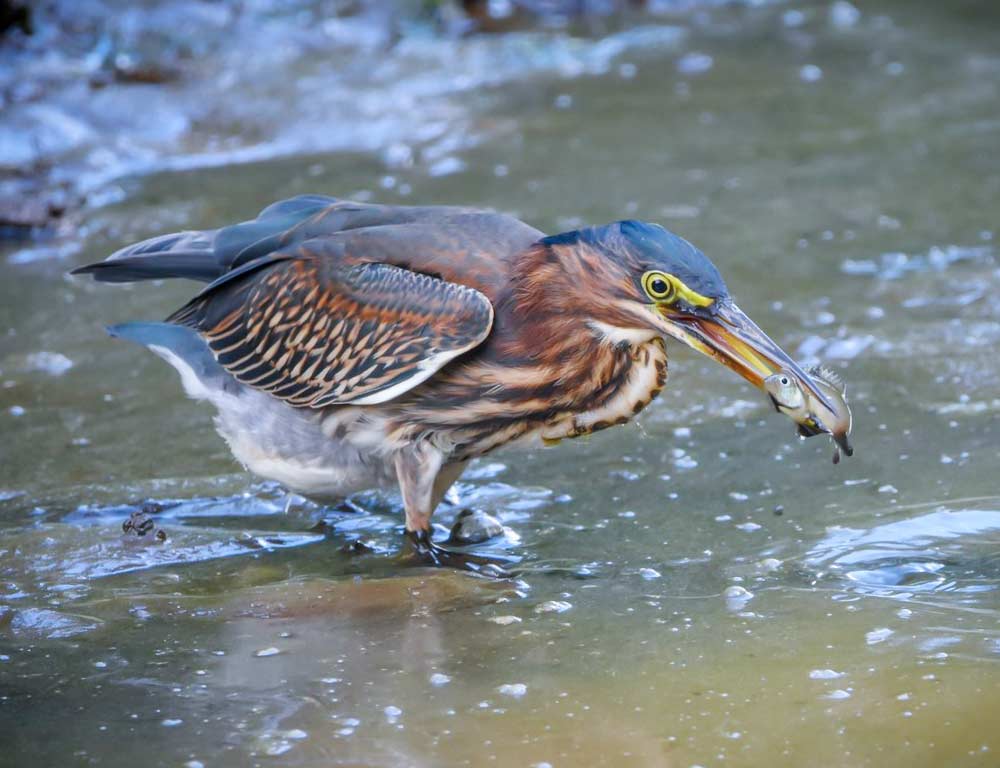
(424, 551)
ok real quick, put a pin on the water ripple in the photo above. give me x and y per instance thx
(945, 550)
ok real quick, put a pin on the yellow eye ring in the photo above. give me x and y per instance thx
(660, 286)
(667, 289)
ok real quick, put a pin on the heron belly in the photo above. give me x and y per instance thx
(273, 439)
(290, 445)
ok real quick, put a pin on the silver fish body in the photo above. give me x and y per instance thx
(812, 415)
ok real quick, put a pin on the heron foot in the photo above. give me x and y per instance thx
(424, 551)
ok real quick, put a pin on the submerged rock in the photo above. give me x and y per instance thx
(474, 527)
(141, 523)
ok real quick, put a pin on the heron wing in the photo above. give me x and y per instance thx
(399, 232)
(317, 331)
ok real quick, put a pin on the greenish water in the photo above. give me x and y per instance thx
(854, 218)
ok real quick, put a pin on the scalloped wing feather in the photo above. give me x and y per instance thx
(314, 333)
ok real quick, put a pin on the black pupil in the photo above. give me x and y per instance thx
(659, 286)
(784, 380)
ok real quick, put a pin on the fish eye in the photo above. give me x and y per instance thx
(659, 286)
(784, 381)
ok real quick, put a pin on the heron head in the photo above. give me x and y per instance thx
(657, 282)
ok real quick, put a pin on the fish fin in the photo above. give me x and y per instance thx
(829, 376)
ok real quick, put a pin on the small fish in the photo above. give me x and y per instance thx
(808, 412)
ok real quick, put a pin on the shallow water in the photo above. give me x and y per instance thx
(700, 588)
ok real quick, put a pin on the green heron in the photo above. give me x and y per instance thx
(348, 346)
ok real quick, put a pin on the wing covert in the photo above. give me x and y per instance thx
(316, 333)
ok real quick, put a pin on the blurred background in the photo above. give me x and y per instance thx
(699, 587)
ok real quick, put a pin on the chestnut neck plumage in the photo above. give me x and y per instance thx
(554, 350)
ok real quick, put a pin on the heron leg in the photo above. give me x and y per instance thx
(424, 478)
(417, 470)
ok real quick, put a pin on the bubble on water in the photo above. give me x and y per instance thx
(446, 166)
(844, 15)
(904, 613)
(793, 18)
(392, 713)
(171, 722)
(649, 574)
(563, 101)
(825, 674)
(810, 73)
(694, 63)
(825, 318)
(194, 764)
(398, 155)
(769, 564)
(101, 664)
(514, 690)
(737, 597)
(838, 695)
(504, 621)
(888, 489)
(16, 410)
(737, 496)
(438, 679)
(682, 460)
(879, 635)
(874, 313)
(553, 606)
(723, 518)
(52, 363)
(265, 652)
(748, 527)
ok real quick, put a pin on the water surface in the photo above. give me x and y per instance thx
(698, 588)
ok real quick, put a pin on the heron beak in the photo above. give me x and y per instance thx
(728, 336)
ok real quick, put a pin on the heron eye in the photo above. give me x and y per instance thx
(659, 286)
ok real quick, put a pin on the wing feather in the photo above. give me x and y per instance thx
(316, 333)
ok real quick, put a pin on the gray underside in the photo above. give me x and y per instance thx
(269, 437)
